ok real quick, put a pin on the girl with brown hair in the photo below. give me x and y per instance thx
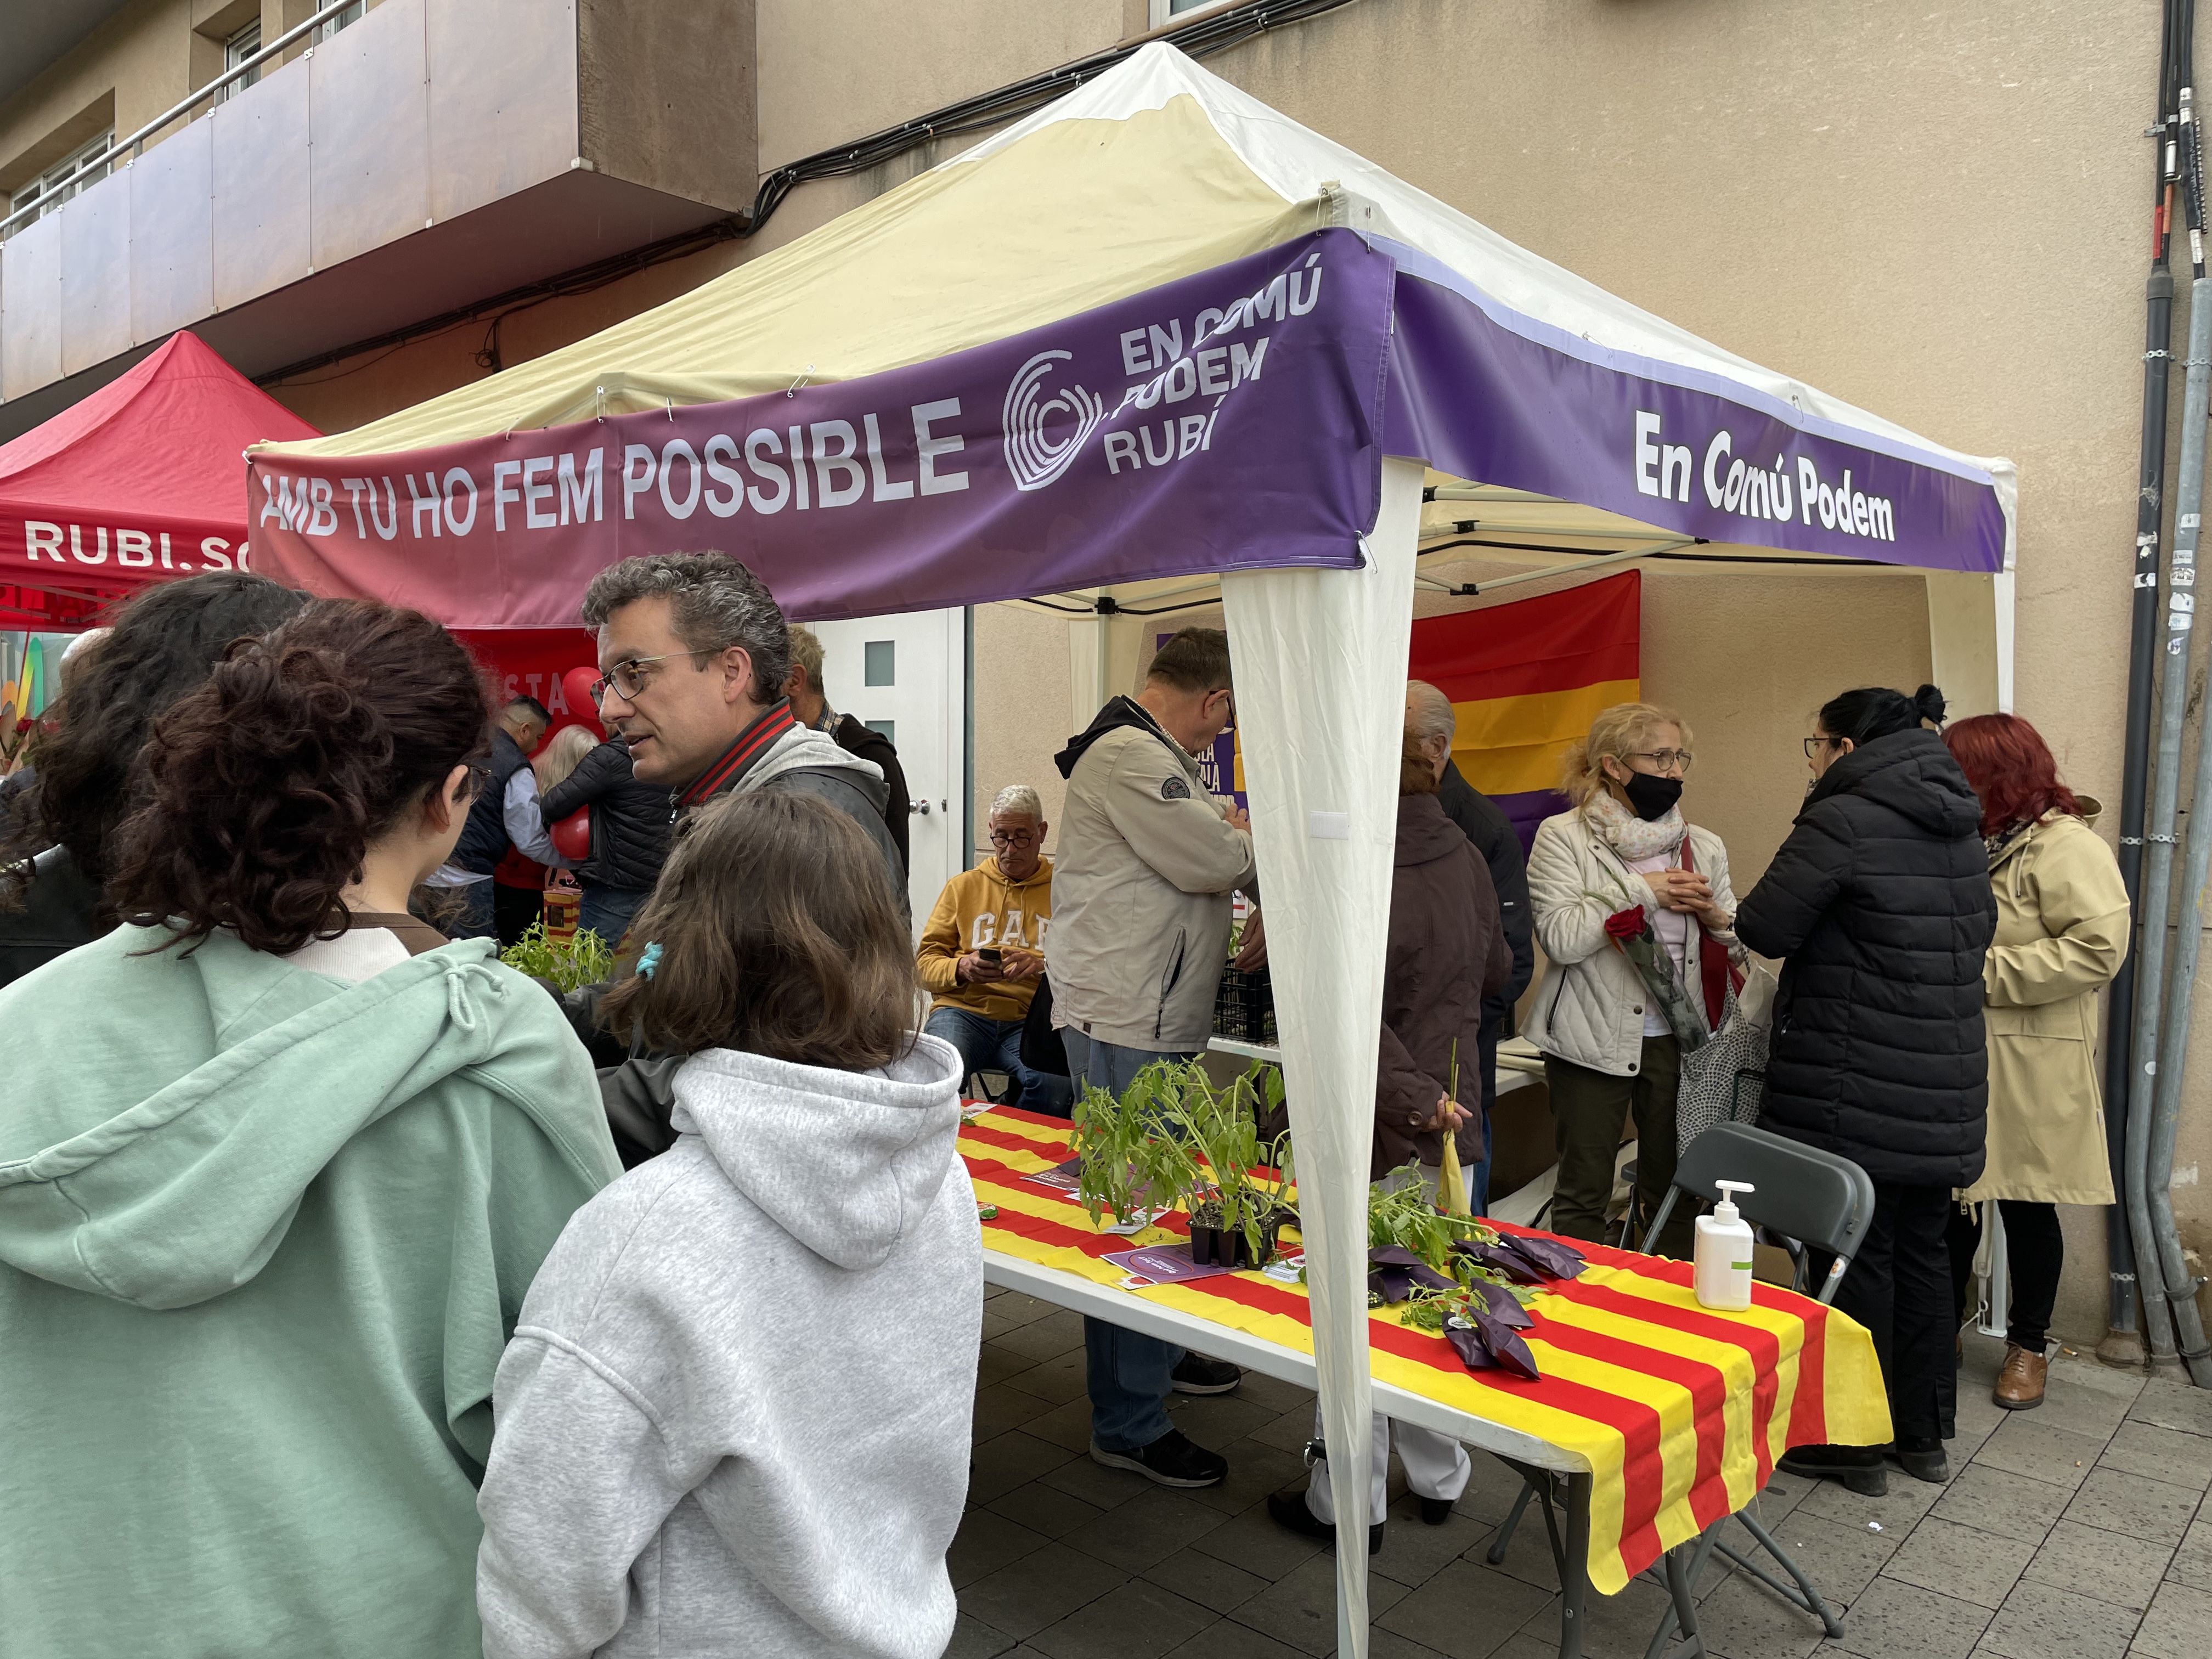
(746, 1374)
(276, 1165)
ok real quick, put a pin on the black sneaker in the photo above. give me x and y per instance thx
(1857, 1467)
(1195, 1373)
(1170, 1461)
(1290, 1509)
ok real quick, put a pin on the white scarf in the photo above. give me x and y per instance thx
(1633, 837)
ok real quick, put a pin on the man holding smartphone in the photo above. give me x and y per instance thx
(982, 951)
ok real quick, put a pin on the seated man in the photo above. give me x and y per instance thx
(1004, 907)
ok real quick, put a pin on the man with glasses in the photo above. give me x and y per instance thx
(982, 951)
(1148, 863)
(694, 656)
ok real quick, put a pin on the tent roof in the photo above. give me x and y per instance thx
(1154, 171)
(160, 445)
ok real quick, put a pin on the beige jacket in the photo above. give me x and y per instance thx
(1589, 1005)
(2062, 934)
(1141, 895)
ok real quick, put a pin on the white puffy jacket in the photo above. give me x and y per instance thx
(1589, 1005)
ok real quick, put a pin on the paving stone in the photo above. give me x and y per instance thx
(1000, 1408)
(2149, 1510)
(2040, 1451)
(1206, 1579)
(1468, 1611)
(1056, 1381)
(1415, 1551)
(1254, 1471)
(1215, 1419)
(1963, 1562)
(1272, 1394)
(1096, 1484)
(1058, 1332)
(1744, 1619)
(2042, 1621)
(1039, 1590)
(995, 1365)
(1020, 1306)
(996, 1325)
(1528, 1554)
(1998, 1501)
(1841, 1560)
(973, 1639)
(1230, 1640)
(1894, 1620)
(1044, 1509)
(1067, 1424)
(2178, 1626)
(2172, 1404)
(2161, 1453)
(2101, 1565)
(1253, 1542)
(1490, 1491)
(1897, 1510)
(1520, 1645)
(1301, 1609)
(2192, 1562)
(2069, 1403)
(987, 1542)
(1615, 1626)
(1136, 1621)
(1149, 1528)
(1288, 1432)
(1009, 1460)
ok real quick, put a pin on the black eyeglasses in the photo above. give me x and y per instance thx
(1813, 745)
(624, 678)
(1014, 838)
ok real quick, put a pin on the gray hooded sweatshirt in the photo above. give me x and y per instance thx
(734, 1418)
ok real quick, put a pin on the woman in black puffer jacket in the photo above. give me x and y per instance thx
(629, 836)
(1880, 905)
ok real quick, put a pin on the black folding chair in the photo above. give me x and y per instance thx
(1804, 1197)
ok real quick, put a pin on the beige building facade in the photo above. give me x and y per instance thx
(1940, 214)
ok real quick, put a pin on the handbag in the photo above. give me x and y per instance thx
(1722, 1081)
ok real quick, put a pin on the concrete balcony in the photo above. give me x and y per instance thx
(434, 154)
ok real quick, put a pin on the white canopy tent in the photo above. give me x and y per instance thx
(1525, 399)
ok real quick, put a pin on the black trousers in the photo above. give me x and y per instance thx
(2035, 1256)
(1900, 1288)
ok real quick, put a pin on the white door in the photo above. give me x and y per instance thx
(907, 676)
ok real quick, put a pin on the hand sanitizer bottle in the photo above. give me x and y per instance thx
(1724, 1253)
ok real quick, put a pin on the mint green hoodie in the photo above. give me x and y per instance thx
(262, 1237)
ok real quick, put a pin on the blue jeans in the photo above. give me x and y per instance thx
(1130, 1376)
(607, 912)
(996, 1045)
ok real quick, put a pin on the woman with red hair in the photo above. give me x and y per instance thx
(2062, 934)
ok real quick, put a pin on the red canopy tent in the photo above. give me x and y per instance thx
(142, 480)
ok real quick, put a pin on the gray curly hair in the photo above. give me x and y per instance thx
(714, 602)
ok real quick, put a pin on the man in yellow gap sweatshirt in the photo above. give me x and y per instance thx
(983, 950)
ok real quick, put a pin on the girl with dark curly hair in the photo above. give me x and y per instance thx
(277, 1164)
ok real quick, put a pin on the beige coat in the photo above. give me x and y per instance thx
(1590, 1008)
(2062, 934)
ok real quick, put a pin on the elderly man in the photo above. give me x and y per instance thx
(811, 704)
(1432, 723)
(982, 951)
(503, 814)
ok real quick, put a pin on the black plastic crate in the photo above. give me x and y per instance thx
(1244, 1007)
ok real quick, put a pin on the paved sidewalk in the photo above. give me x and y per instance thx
(2075, 1531)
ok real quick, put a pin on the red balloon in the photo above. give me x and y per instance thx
(576, 687)
(572, 836)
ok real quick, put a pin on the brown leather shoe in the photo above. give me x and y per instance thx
(2020, 1379)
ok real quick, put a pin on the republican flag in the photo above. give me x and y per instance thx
(1526, 679)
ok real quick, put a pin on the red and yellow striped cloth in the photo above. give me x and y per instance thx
(1679, 1411)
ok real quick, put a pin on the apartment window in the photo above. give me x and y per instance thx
(235, 50)
(49, 191)
(1164, 12)
(345, 19)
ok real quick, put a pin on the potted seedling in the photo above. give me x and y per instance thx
(1213, 1158)
(1113, 1139)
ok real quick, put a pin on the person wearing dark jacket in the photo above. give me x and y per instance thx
(54, 848)
(1430, 719)
(1880, 905)
(1446, 957)
(810, 705)
(629, 836)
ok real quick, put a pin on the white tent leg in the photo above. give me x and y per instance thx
(1320, 675)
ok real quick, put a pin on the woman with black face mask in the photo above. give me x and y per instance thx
(1632, 906)
(1880, 905)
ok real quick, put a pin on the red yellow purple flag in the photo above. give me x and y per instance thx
(1526, 679)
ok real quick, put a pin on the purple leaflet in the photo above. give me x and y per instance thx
(1390, 1256)
(1548, 1255)
(1501, 1303)
(1506, 1346)
(1500, 1259)
(1396, 1272)
(1469, 1344)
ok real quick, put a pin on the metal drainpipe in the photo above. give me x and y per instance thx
(2173, 695)
(2123, 1344)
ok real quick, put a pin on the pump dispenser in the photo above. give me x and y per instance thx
(1724, 1253)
